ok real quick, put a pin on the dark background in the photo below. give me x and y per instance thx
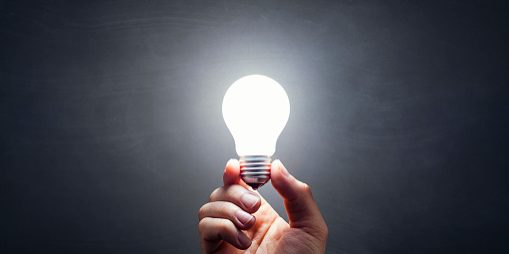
(112, 135)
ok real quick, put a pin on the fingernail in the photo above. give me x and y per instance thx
(244, 240)
(243, 217)
(249, 200)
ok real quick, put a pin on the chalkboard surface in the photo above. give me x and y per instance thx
(112, 135)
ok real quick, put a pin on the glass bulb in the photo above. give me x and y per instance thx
(255, 110)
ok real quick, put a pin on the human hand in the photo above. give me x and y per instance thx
(238, 220)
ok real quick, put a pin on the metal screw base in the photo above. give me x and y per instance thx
(255, 170)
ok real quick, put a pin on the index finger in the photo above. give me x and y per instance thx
(231, 174)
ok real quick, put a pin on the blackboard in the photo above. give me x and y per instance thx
(112, 135)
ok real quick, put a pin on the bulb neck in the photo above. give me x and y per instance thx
(255, 170)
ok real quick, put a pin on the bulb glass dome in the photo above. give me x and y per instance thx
(255, 110)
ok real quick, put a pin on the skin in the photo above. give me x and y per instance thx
(238, 220)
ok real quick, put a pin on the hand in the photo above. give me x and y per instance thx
(238, 220)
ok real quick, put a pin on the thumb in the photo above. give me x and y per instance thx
(299, 203)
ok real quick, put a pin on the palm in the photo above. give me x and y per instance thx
(270, 234)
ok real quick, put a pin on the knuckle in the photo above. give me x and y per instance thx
(202, 211)
(215, 193)
(324, 230)
(201, 226)
(305, 188)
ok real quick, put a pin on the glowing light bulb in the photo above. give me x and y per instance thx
(255, 110)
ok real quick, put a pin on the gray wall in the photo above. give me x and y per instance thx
(112, 134)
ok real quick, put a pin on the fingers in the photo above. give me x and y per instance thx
(248, 200)
(213, 230)
(231, 172)
(299, 203)
(227, 210)
(221, 219)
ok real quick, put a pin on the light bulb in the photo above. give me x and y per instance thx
(255, 110)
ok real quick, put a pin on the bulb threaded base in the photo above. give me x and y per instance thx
(255, 170)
